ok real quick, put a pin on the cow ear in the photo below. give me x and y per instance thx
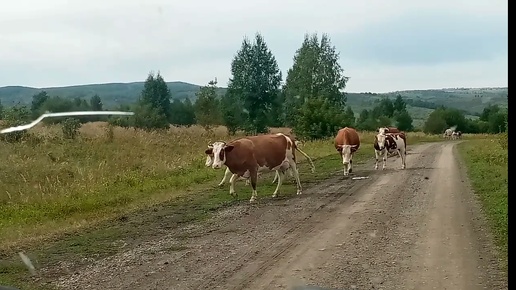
(229, 148)
(209, 151)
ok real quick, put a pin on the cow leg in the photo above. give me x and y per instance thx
(281, 175)
(403, 156)
(293, 166)
(254, 177)
(385, 158)
(226, 174)
(232, 184)
(350, 166)
(376, 162)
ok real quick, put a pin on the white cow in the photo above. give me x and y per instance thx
(448, 133)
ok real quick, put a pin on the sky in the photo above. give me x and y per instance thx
(384, 45)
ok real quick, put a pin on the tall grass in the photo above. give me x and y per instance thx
(49, 184)
(487, 162)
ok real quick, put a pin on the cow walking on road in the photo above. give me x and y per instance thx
(385, 143)
(347, 142)
(253, 154)
(228, 173)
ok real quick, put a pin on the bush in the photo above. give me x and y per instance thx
(71, 128)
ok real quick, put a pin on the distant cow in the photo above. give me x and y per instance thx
(253, 154)
(385, 143)
(448, 133)
(347, 142)
(456, 135)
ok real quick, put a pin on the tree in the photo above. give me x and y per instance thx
(1, 110)
(316, 78)
(96, 103)
(206, 112)
(37, 102)
(155, 101)
(182, 113)
(233, 115)
(399, 104)
(404, 121)
(255, 80)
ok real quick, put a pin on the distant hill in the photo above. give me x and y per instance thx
(111, 94)
(420, 102)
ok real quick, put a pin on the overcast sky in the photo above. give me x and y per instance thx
(385, 45)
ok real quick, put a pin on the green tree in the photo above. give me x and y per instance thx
(1, 110)
(206, 106)
(37, 102)
(96, 103)
(399, 104)
(316, 78)
(404, 121)
(155, 101)
(233, 115)
(256, 80)
(435, 123)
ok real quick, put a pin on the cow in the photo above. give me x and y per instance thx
(390, 142)
(347, 142)
(389, 130)
(456, 135)
(448, 133)
(253, 154)
(227, 173)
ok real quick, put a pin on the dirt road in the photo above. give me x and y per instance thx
(418, 228)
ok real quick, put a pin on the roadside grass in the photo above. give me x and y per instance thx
(70, 201)
(487, 167)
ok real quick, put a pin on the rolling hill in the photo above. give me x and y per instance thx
(420, 102)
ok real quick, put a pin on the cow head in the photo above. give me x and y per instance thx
(380, 140)
(209, 153)
(383, 130)
(346, 151)
(217, 153)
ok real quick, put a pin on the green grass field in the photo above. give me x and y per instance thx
(66, 200)
(487, 163)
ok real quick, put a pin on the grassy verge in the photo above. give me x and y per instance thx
(487, 164)
(126, 190)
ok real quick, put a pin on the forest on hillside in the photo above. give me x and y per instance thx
(311, 101)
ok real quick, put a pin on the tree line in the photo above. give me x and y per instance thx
(311, 100)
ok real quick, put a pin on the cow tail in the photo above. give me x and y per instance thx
(307, 157)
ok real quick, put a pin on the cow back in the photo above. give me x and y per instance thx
(347, 136)
(270, 150)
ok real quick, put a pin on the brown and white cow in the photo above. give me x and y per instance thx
(227, 173)
(255, 154)
(385, 143)
(347, 142)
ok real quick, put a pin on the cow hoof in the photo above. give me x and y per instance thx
(220, 184)
(299, 192)
(252, 199)
(274, 195)
(350, 170)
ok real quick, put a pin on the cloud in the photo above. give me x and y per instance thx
(383, 44)
(428, 37)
